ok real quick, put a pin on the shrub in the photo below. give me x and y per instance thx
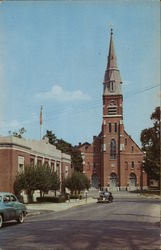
(76, 196)
(51, 199)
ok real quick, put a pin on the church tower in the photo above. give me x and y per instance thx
(113, 160)
(112, 126)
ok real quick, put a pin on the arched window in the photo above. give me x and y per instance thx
(113, 149)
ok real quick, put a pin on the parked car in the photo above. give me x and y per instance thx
(11, 208)
(104, 197)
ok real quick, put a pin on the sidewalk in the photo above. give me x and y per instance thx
(128, 195)
(37, 208)
(55, 207)
(125, 194)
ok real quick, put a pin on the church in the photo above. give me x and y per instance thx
(113, 160)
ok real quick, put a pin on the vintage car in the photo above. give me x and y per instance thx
(105, 196)
(11, 208)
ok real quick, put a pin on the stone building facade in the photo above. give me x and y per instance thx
(15, 153)
(113, 160)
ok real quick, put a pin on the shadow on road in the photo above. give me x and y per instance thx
(82, 234)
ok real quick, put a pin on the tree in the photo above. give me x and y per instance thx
(26, 181)
(43, 178)
(86, 182)
(65, 147)
(19, 133)
(18, 185)
(38, 177)
(77, 182)
(76, 158)
(52, 137)
(150, 138)
(77, 161)
(55, 182)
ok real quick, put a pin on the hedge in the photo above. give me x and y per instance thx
(51, 199)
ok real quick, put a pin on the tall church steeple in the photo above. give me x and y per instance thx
(115, 157)
(112, 79)
(112, 62)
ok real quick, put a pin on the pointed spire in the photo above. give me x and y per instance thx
(112, 74)
(112, 62)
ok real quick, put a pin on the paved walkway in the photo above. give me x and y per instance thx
(32, 208)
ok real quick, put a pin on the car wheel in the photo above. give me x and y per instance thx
(1, 220)
(20, 218)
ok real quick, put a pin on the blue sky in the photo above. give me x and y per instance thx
(54, 53)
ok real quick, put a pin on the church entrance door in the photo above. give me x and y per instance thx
(95, 181)
(132, 180)
(113, 180)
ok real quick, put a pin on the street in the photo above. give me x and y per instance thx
(123, 224)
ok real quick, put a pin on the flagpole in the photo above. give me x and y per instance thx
(41, 122)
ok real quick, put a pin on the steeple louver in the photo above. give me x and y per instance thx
(112, 74)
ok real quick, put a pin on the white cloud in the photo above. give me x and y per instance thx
(57, 93)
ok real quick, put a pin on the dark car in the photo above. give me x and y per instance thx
(11, 208)
(105, 196)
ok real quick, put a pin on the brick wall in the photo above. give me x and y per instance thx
(9, 167)
(94, 154)
(10, 155)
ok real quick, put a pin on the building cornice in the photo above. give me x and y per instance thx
(29, 151)
(11, 145)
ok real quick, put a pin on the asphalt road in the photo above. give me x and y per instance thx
(124, 224)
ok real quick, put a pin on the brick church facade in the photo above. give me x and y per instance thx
(113, 160)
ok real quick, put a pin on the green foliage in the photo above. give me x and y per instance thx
(51, 199)
(19, 133)
(51, 137)
(150, 139)
(65, 147)
(26, 181)
(77, 182)
(18, 184)
(38, 177)
(76, 158)
(43, 178)
(86, 181)
(55, 182)
(76, 196)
